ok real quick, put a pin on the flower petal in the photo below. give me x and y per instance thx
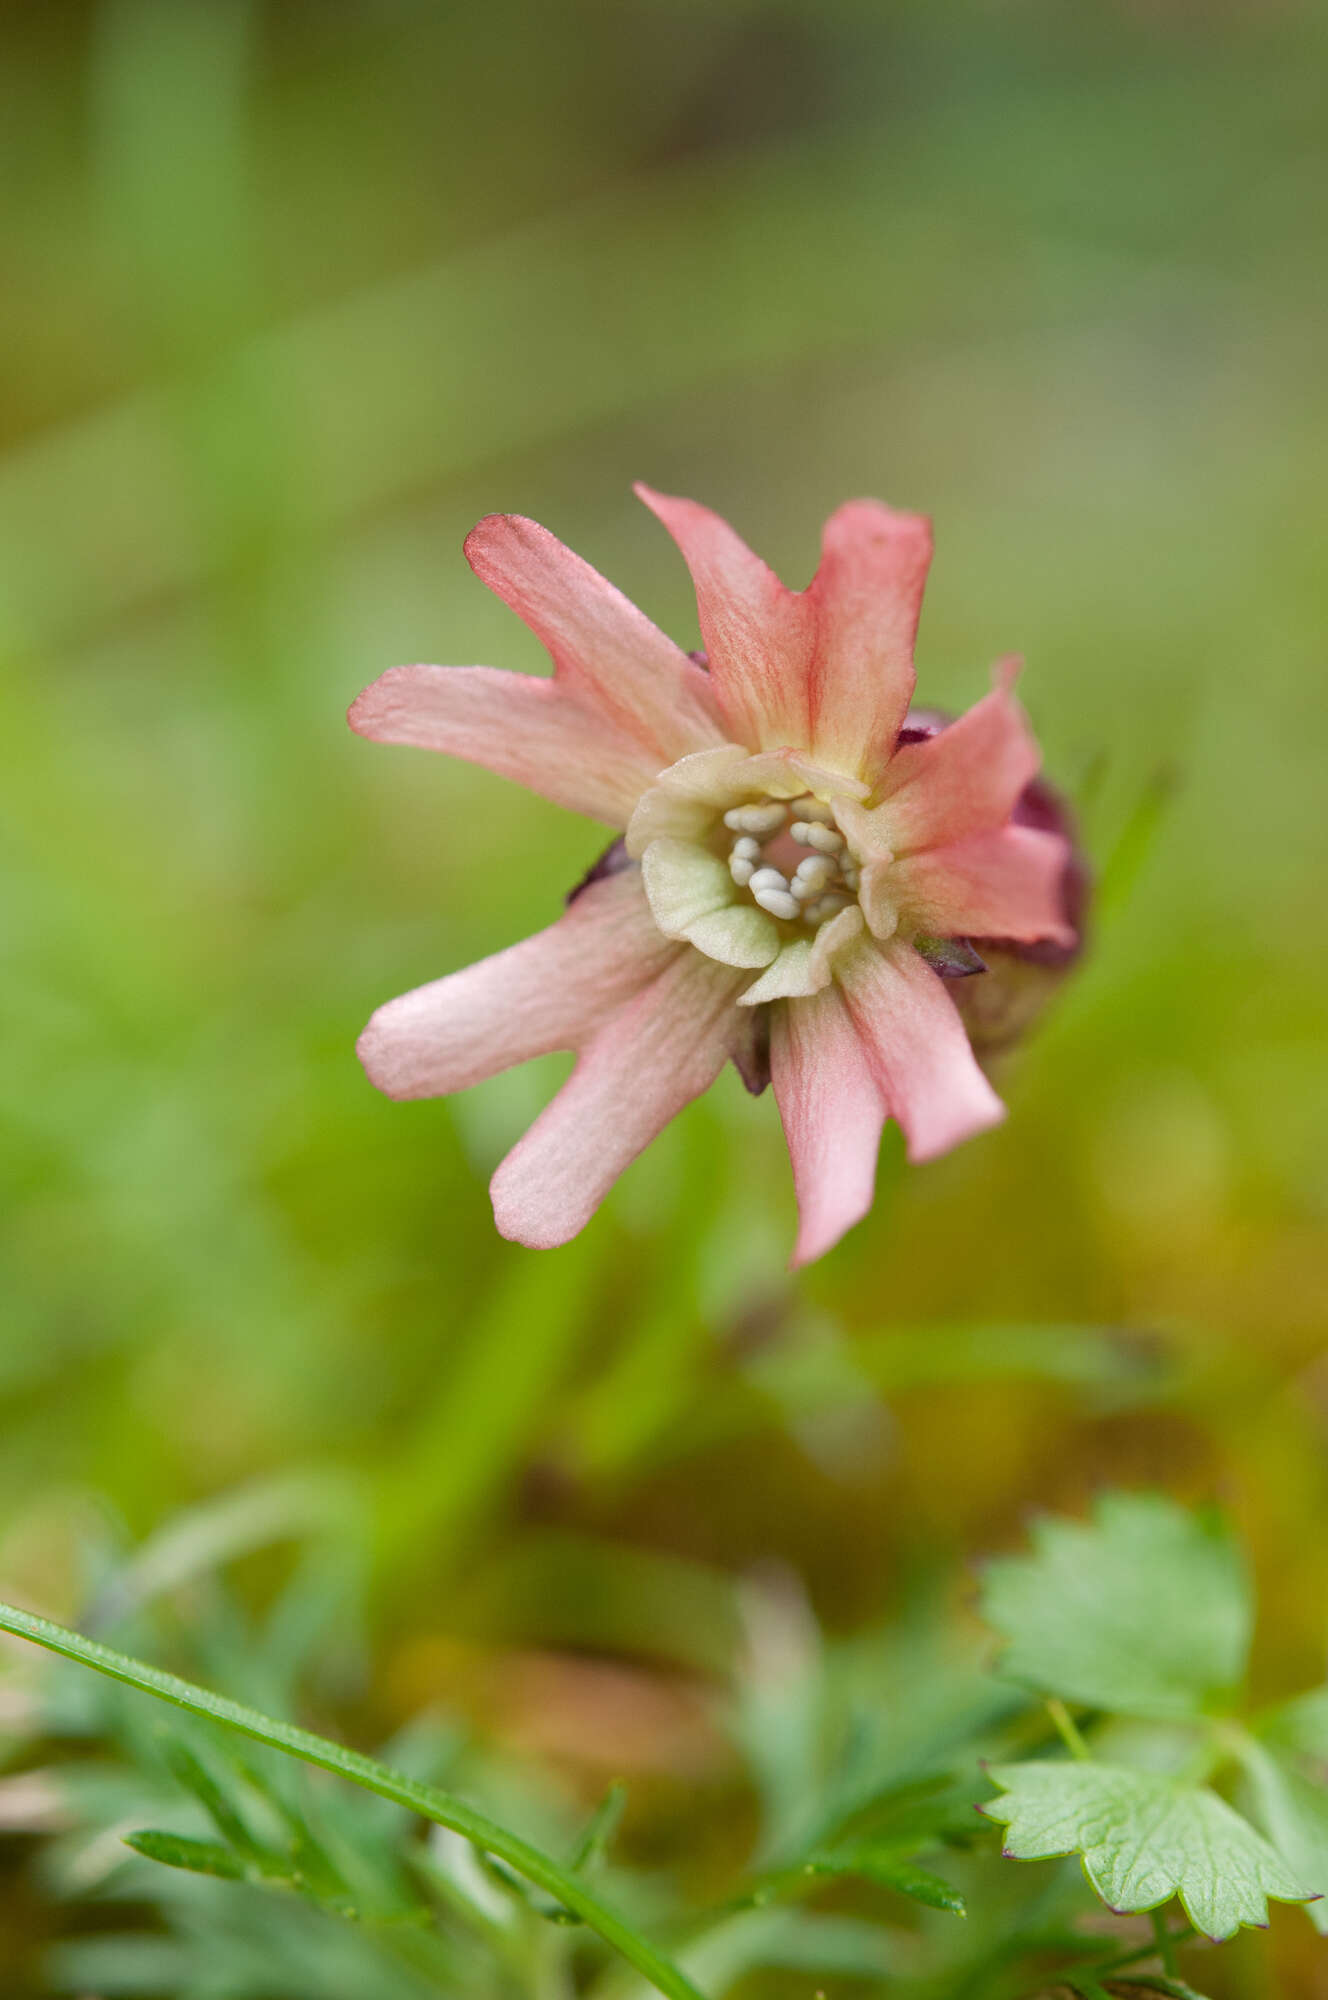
(519, 725)
(1007, 884)
(551, 991)
(832, 1110)
(917, 1048)
(691, 896)
(965, 779)
(829, 669)
(604, 649)
(655, 1054)
(806, 965)
(867, 596)
(689, 797)
(757, 634)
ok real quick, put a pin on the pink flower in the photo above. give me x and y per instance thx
(794, 855)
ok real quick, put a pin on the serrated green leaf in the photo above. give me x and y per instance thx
(1144, 1838)
(883, 1865)
(1292, 1809)
(199, 1857)
(1144, 1611)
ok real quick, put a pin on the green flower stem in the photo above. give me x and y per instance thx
(426, 1800)
(1065, 1728)
(1154, 1948)
(1162, 1938)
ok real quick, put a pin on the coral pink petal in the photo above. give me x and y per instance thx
(828, 669)
(519, 725)
(963, 780)
(867, 597)
(832, 1111)
(1007, 884)
(917, 1049)
(603, 648)
(757, 634)
(552, 991)
(650, 1059)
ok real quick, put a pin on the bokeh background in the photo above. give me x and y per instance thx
(290, 295)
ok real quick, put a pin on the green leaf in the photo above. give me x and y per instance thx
(1300, 1725)
(426, 1800)
(1144, 1838)
(599, 1830)
(513, 1885)
(200, 1857)
(1144, 1611)
(1292, 1809)
(883, 1865)
(1149, 1986)
(193, 1775)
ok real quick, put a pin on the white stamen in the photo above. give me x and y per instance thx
(825, 906)
(815, 870)
(825, 880)
(762, 819)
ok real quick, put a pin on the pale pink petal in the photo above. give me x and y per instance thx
(1006, 884)
(917, 1048)
(551, 991)
(604, 649)
(650, 1059)
(828, 670)
(867, 596)
(832, 1109)
(965, 779)
(756, 633)
(521, 726)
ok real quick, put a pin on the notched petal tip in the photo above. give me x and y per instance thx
(867, 523)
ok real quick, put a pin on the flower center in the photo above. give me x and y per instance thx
(791, 859)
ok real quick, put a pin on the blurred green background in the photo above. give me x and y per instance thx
(290, 295)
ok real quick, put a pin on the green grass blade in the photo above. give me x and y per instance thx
(198, 1857)
(603, 1824)
(425, 1800)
